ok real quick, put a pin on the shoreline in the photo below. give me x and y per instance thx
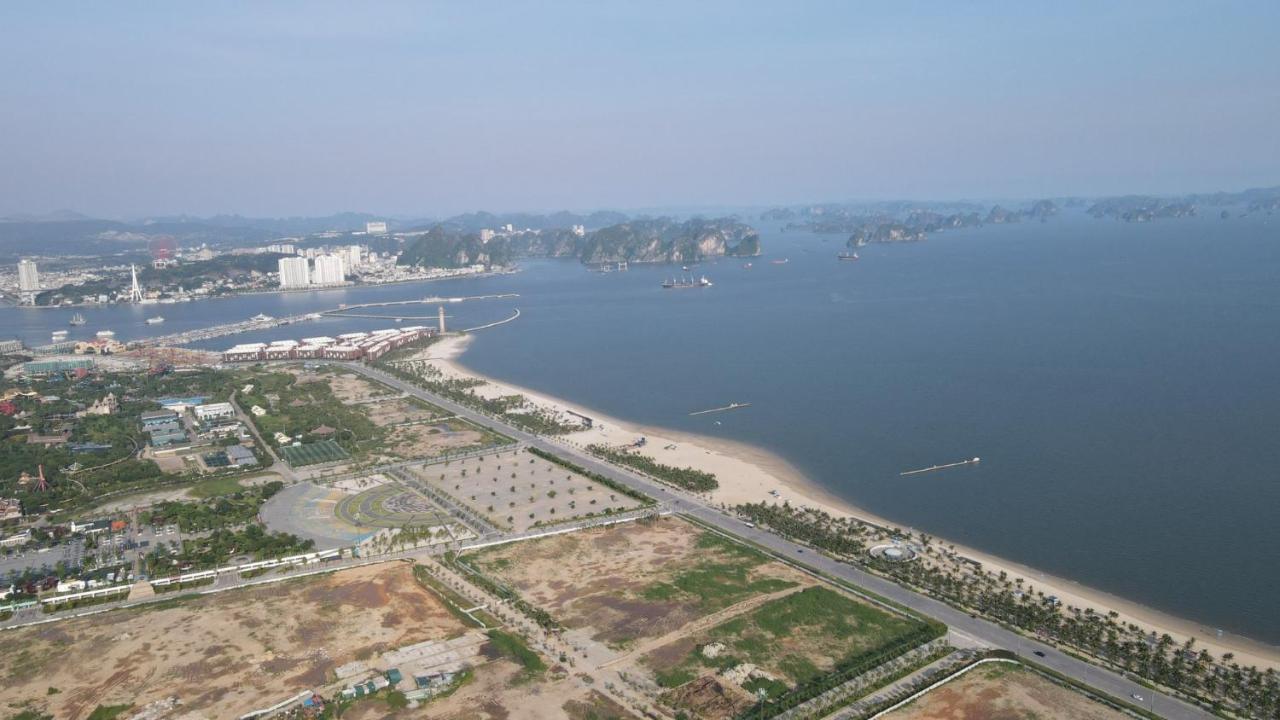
(281, 291)
(748, 473)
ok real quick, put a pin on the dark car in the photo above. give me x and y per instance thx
(1039, 654)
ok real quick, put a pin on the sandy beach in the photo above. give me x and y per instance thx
(748, 474)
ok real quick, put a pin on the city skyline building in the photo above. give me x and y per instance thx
(295, 272)
(329, 270)
(28, 275)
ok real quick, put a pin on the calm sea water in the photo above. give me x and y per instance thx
(1120, 382)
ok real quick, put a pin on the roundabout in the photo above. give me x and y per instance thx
(388, 506)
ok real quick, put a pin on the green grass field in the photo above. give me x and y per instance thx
(214, 487)
(795, 638)
(720, 579)
(313, 453)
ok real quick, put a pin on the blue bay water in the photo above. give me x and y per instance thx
(1120, 382)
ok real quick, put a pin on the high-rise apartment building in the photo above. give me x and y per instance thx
(295, 272)
(329, 270)
(28, 276)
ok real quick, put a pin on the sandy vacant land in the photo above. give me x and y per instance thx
(1000, 691)
(224, 654)
(498, 692)
(347, 386)
(517, 490)
(425, 440)
(393, 410)
(638, 580)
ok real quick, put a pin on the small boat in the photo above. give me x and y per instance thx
(77, 320)
(155, 320)
(848, 256)
(262, 318)
(746, 266)
(783, 261)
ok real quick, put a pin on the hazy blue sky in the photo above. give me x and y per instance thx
(119, 109)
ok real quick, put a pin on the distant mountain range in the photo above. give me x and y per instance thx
(66, 232)
(911, 222)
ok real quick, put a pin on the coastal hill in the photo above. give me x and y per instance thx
(917, 224)
(664, 240)
(661, 240)
(1141, 208)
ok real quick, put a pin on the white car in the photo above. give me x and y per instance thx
(1137, 697)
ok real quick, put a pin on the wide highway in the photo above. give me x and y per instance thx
(984, 631)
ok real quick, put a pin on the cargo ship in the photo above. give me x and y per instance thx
(848, 256)
(681, 283)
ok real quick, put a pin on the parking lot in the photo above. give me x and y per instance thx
(105, 549)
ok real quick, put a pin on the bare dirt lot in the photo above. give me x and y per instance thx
(638, 580)
(498, 692)
(999, 691)
(400, 410)
(224, 654)
(426, 440)
(347, 387)
(516, 490)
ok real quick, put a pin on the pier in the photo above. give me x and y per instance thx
(352, 311)
(344, 309)
(931, 468)
(503, 321)
(191, 336)
(730, 406)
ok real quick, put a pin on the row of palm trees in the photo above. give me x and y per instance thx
(1219, 683)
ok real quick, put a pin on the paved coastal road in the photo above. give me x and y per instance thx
(984, 631)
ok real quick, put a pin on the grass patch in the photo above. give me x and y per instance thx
(722, 579)
(513, 648)
(108, 712)
(772, 688)
(214, 487)
(454, 602)
(674, 677)
(798, 638)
